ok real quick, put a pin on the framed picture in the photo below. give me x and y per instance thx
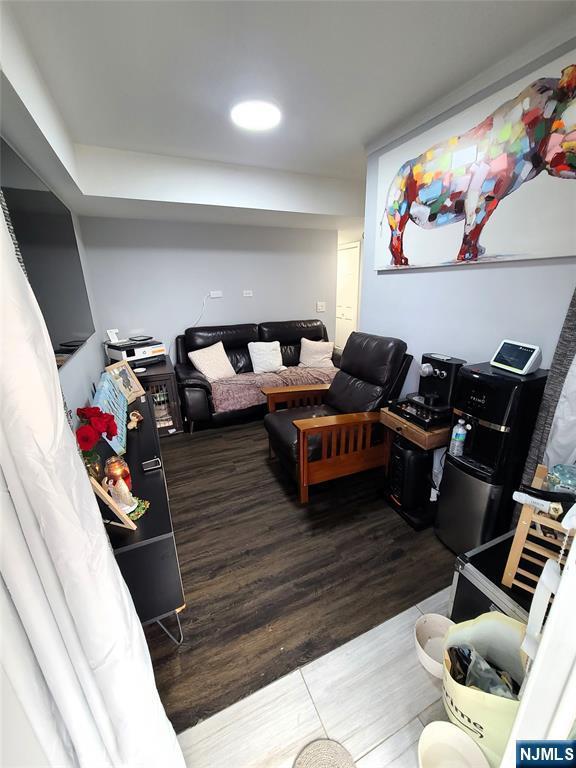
(125, 379)
(495, 182)
(111, 399)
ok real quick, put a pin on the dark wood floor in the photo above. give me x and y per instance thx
(271, 585)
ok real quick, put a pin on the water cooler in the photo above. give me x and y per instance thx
(475, 503)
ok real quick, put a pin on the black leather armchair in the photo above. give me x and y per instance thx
(335, 430)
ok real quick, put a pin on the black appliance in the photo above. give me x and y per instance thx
(475, 503)
(429, 408)
(409, 483)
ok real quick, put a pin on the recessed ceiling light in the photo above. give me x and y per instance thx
(256, 115)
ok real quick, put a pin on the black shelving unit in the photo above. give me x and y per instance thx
(147, 557)
(159, 381)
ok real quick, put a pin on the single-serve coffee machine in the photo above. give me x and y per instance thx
(430, 407)
(500, 410)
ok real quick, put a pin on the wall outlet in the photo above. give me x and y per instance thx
(247, 292)
(320, 306)
(216, 294)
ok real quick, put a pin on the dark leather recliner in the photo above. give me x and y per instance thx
(194, 388)
(340, 434)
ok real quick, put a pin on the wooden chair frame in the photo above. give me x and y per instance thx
(295, 396)
(346, 439)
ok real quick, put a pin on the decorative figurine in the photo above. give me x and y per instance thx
(135, 419)
(120, 494)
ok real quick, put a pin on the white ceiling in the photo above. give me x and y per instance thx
(159, 77)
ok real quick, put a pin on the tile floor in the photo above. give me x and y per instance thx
(371, 694)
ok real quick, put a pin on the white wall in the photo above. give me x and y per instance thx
(151, 276)
(464, 312)
(102, 172)
(113, 173)
(23, 74)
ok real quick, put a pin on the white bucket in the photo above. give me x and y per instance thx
(429, 633)
(444, 745)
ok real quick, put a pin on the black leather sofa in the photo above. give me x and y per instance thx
(196, 391)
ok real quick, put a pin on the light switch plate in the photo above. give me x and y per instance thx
(247, 292)
(216, 294)
(320, 306)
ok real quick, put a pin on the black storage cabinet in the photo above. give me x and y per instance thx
(147, 557)
(159, 381)
(477, 586)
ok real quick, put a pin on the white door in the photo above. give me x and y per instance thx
(347, 286)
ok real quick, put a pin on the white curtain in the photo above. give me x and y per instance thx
(72, 646)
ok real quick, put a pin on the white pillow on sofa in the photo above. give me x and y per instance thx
(212, 362)
(316, 354)
(266, 356)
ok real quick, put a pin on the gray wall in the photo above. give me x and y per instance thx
(464, 311)
(151, 276)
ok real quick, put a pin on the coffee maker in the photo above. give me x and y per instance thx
(500, 410)
(430, 407)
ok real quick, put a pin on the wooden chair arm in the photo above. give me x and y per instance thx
(341, 420)
(295, 389)
(346, 446)
(294, 396)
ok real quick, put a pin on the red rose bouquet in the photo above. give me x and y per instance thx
(94, 424)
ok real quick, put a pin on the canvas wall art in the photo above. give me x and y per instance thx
(496, 182)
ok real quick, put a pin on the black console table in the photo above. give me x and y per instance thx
(147, 557)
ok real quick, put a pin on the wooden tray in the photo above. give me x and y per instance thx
(426, 439)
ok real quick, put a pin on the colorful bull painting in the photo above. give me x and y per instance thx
(468, 176)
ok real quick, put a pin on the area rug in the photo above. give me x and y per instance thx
(324, 753)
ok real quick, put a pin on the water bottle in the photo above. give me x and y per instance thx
(457, 440)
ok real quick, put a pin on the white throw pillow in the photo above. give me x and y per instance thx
(316, 354)
(212, 362)
(266, 356)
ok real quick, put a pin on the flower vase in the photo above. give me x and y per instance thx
(93, 464)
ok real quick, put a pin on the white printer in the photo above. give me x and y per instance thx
(137, 350)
